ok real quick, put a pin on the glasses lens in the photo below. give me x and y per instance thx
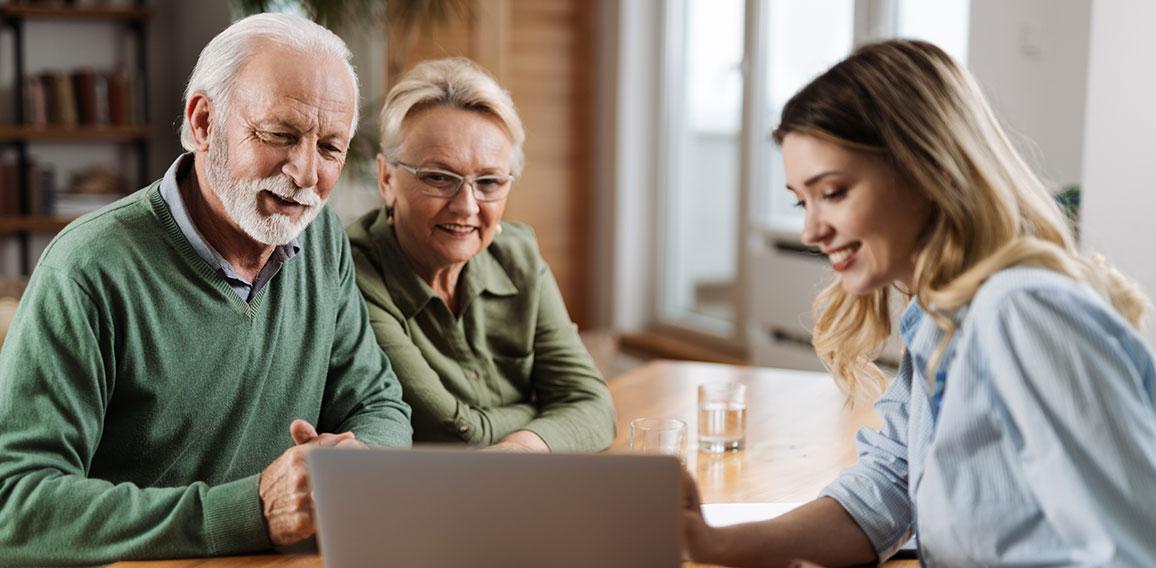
(440, 183)
(492, 188)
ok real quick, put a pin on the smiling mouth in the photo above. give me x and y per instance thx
(283, 200)
(457, 229)
(838, 256)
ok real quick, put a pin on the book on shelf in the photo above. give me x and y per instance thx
(119, 93)
(100, 98)
(39, 198)
(42, 189)
(64, 97)
(83, 97)
(11, 202)
(35, 101)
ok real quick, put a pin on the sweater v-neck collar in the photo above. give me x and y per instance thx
(177, 238)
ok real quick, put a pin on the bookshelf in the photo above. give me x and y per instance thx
(73, 112)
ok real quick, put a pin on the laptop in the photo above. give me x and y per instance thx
(443, 508)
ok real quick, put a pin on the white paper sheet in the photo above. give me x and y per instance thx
(723, 514)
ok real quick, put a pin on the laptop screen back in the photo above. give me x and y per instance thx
(454, 508)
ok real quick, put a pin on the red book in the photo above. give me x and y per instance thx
(118, 96)
(85, 99)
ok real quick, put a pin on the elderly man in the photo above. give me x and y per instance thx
(177, 352)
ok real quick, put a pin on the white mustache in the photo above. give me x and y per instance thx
(284, 188)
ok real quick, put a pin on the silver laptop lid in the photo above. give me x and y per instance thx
(464, 508)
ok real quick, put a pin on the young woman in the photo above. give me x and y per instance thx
(1021, 428)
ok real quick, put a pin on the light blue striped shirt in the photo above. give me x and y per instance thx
(1043, 452)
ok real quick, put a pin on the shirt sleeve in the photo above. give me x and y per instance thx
(1075, 387)
(54, 387)
(874, 490)
(362, 393)
(576, 409)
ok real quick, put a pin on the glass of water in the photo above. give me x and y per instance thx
(722, 417)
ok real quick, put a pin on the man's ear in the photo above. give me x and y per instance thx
(200, 117)
(385, 181)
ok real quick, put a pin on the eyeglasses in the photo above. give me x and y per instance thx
(442, 183)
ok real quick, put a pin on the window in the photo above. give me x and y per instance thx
(704, 115)
(729, 67)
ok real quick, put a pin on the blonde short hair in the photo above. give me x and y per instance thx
(454, 82)
(913, 106)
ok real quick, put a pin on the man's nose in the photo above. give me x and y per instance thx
(301, 166)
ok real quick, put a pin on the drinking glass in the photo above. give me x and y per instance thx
(722, 417)
(659, 436)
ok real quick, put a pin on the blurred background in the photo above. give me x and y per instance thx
(651, 181)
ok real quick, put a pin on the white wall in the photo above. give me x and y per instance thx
(1119, 200)
(632, 195)
(1031, 58)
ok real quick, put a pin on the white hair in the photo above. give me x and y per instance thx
(223, 58)
(454, 82)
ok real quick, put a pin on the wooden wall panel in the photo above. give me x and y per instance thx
(550, 58)
(542, 52)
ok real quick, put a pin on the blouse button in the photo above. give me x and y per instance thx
(464, 428)
(474, 375)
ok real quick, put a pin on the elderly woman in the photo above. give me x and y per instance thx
(463, 304)
(1021, 428)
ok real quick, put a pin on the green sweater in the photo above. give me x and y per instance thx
(512, 360)
(140, 397)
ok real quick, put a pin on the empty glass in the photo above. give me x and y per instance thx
(659, 436)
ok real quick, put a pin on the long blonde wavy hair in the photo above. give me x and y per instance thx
(910, 104)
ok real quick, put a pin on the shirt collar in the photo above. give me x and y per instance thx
(482, 274)
(171, 193)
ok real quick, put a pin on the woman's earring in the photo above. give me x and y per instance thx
(499, 229)
(389, 216)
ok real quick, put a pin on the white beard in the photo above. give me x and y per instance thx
(239, 197)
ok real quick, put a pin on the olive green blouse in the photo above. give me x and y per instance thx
(512, 360)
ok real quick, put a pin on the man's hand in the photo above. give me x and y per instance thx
(284, 489)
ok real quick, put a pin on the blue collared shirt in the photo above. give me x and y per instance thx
(171, 193)
(1042, 451)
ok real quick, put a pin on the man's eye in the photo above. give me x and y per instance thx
(801, 204)
(277, 136)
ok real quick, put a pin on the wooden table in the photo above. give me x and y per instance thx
(800, 435)
(799, 432)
